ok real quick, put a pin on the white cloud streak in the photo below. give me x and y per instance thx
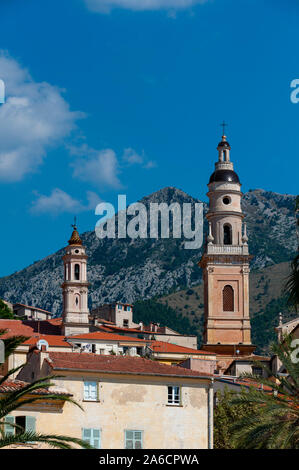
(34, 117)
(59, 202)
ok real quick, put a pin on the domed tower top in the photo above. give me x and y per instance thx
(224, 168)
(75, 238)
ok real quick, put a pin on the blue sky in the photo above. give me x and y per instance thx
(124, 96)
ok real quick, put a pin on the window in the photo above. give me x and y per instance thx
(93, 348)
(133, 439)
(126, 323)
(174, 395)
(227, 235)
(26, 423)
(77, 272)
(228, 299)
(90, 391)
(226, 200)
(92, 436)
(257, 371)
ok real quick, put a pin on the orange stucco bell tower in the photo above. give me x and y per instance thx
(225, 263)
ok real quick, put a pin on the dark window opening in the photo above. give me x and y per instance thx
(77, 272)
(226, 200)
(228, 299)
(227, 235)
(20, 421)
(126, 323)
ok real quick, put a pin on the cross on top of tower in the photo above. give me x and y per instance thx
(74, 225)
(223, 125)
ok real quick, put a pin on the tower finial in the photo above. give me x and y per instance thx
(223, 125)
(75, 238)
(74, 225)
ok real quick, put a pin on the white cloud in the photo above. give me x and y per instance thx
(60, 202)
(131, 157)
(100, 167)
(34, 117)
(105, 6)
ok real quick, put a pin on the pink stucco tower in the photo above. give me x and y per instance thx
(225, 263)
(75, 287)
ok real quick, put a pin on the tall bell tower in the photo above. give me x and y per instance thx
(75, 287)
(225, 263)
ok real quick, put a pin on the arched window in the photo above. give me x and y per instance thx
(77, 272)
(228, 299)
(227, 234)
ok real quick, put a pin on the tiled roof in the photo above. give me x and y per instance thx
(128, 330)
(102, 336)
(32, 308)
(15, 328)
(52, 340)
(161, 346)
(116, 364)
(11, 385)
(29, 328)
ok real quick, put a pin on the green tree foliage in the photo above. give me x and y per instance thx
(275, 424)
(151, 310)
(5, 311)
(225, 417)
(12, 401)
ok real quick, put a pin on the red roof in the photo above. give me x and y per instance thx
(11, 385)
(102, 336)
(116, 364)
(14, 328)
(161, 346)
(52, 340)
(30, 328)
(118, 328)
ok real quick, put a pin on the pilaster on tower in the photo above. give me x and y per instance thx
(225, 263)
(75, 287)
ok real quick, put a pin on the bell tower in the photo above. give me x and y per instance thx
(225, 263)
(75, 287)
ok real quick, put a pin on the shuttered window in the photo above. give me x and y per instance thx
(9, 430)
(174, 395)
(228, 299)
(133, 439)
(91, 391)
(92, 436)
(27, 423)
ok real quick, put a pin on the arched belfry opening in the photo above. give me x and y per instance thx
(227, 234)
(77, 272)
(228, 299)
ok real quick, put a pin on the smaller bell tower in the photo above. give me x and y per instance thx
(75, 287)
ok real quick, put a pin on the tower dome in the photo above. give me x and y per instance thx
(225, 176)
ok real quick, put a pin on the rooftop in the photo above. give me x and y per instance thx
(12, 385)
(117, 364)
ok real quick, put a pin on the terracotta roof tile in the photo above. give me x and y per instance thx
(100, 335)
(161, 346)
(116, 364)
(52, 340)
(11, 385)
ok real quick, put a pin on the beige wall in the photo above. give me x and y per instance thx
(133, 403)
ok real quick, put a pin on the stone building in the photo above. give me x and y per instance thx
(128, 402)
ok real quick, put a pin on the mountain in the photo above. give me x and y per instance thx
(128, 270)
